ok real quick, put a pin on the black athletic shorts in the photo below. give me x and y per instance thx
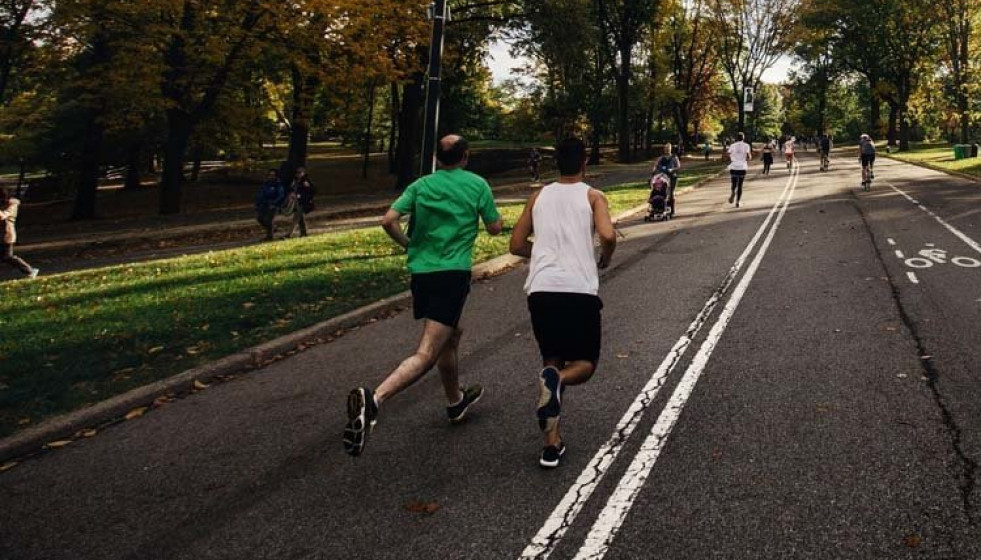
(868, 159)
(440, 296)
(567, 326)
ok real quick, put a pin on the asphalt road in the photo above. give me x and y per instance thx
(774, 384)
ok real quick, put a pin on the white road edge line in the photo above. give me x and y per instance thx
(610, 520)
(555, 527)
(912, 277)
(960, 235)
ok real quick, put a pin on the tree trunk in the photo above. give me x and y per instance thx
(393, 129)
(410, 121)
(179, 129)
(594, 151)
(133, 175)
(891, 134)
(196, 164)
(303, 93)
(367, 131)
(623, 107)
(87, 179)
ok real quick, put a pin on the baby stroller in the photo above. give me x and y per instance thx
(659, 203)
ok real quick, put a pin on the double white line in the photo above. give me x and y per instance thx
(618, 506)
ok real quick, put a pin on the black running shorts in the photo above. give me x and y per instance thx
(567, 326)
(868, 159)
(440, 296)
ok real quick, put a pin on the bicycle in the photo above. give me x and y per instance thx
(867, 176)
(825, 161)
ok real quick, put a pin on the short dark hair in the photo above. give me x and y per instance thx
(455, 153)
(740, 136)
(4, 196)
(569, 155)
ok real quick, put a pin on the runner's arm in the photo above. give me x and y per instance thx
(392, 226)
(521, 243)
(603, 224)
(495, 228)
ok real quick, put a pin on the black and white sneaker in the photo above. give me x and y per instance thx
(549, 399)
(361, 414)
(458, 412)
(552, 456)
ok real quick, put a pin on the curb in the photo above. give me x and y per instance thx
(925, 165)
(67, 426)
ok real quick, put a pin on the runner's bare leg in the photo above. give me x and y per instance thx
(449, 368)
(571, 373)
(435, 336)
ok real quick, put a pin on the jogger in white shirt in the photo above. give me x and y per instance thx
(740, 154)
(563, 283)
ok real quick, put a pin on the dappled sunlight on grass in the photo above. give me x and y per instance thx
(941, 156)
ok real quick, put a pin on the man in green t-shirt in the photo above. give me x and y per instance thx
(446, 209)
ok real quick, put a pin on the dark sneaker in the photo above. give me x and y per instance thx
(549, 399)
(458, 412)
(732, 197)
(361, 413)
(552, 456)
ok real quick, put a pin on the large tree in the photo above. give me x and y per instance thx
(693, 64)
(961, 19)
(751, 35)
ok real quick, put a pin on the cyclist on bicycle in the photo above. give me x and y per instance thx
(866, 153)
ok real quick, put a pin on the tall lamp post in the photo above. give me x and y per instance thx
(439, 15)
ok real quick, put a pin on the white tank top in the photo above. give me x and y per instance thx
(563, 258)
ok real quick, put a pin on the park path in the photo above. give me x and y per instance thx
(774, 384)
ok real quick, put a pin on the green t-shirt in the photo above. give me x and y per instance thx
(447, 207)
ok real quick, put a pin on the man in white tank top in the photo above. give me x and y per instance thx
(563, 283)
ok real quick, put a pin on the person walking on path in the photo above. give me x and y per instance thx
(563, 284)
(768, 156)
(300, 195)
(268, 202)
(446, 209)
(535, 164)
(740, 153)
(9, 207)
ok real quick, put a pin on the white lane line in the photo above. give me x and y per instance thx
(960, 235)
(891, 241)
(900, 255)
(610, 520)
(912, 277)
(555, 527)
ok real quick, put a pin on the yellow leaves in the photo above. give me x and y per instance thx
(200, 386)
(136, 413)
(912, 541)
(88, 433)
(58, 444)
(7, 466)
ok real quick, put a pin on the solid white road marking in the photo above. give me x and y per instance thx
(960, 235)
(610, 520)
(919, 262)
(558, 523)
(912, 277)
(900, 255)
(891, 241)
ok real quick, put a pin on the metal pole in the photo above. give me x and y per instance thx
(433, 88)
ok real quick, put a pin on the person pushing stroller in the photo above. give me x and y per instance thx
(669, 165)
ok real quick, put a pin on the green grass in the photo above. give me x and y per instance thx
(74, 339)
(941, 157)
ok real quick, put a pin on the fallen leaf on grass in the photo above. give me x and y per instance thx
(417, 506)
(8, 466)
(160, 401)
(155, 350)
(248, 305)
(199, 385)
(136, 413)
(193, 351)
(912, 541)
(88, 433)
(58, 444)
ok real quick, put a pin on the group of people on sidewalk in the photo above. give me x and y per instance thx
(562, 286)
(294, 201)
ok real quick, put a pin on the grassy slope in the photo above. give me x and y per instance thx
(941, 156)
(74, 339)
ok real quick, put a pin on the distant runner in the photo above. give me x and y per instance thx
(447, 207)
(740, 154)
(535, 164)
(9, 206)
(563, 283)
